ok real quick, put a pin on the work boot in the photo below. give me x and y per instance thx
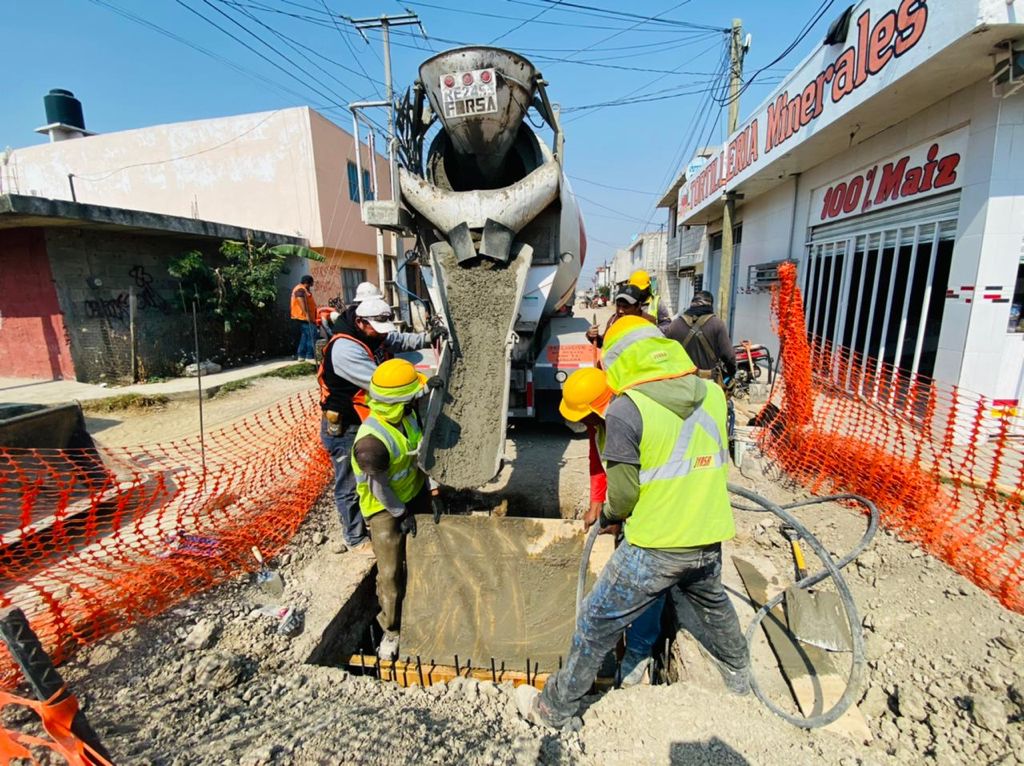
(736, 681)
(365, 548)
(388, 648)
(526, 698)
(635, 672)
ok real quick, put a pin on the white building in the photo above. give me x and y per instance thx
(891, 169)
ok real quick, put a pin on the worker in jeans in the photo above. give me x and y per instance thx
(303, 313)
(585, 398)
(363, 338)
(665, 450)
(390, 485)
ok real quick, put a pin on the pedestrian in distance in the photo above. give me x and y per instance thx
(667, 464)
(364, 336)
(304, 318)
(391, 487)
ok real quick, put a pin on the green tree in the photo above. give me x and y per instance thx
(242, 288)
(604, 291)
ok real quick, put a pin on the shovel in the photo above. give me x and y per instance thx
(267, 580)
(816, 618)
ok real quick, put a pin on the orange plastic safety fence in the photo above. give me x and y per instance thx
(94, 540)
(945, 466)
(56, 715)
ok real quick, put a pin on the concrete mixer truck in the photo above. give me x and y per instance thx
(500, 241)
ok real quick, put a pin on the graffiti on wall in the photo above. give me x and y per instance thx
(112, 309)
(148, 297)
(118, 308)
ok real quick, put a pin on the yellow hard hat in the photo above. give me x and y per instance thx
(396, 375)
(585, 393)
(640, 279)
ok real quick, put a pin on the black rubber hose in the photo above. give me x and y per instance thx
(831, 569)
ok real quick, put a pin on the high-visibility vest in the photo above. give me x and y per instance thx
(643, 355)
(404, 476)
(340, 394)
(684, 467)
(301, 302)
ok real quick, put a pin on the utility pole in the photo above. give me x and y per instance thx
(384, 24)
(736, 53)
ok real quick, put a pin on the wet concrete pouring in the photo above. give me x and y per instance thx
(468, 437)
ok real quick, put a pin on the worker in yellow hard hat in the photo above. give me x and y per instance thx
(628, 302)
(650, 300)
(391, 487)
(664, 448)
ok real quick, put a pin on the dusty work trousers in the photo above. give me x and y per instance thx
(389, 548)
(353, 525)
(631, 581)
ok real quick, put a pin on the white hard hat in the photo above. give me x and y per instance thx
(367, 290)
(378, 313)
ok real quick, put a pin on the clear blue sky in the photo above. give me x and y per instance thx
(129, 75)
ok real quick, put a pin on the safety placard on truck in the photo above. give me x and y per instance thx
(468, 93)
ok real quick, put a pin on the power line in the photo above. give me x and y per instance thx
(805, 30)
(350, 48)
(614, 188)
(295, 45)
(611, 13)
(623, 31)
(522, 24)
(592, 109)
(547, 22)
(184, 41)
(250, 48)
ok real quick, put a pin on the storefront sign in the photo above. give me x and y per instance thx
(886, 40)
(931, 168)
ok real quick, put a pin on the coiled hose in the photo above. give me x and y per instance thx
(831, 569)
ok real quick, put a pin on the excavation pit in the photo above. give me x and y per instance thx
(487, 597)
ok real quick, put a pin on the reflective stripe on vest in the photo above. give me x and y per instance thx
(643, 355)
(404, 476)
(683, 502)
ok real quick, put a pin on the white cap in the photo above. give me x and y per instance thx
(378, 314)
(367, 290)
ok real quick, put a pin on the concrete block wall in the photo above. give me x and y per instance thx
(96, 272)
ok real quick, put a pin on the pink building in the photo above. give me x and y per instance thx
(289, 171)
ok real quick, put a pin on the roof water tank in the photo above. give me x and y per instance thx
(62, 107)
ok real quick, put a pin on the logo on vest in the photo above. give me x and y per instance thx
(704, 461)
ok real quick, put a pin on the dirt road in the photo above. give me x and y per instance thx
(210, 682)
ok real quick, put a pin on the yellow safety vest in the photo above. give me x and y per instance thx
(643, 355)
(404, 476)
(684, 466)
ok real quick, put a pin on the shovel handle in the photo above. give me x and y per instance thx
(257, 555)
(798, 560)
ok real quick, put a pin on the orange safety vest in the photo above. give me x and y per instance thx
(337, 393)
(298, 309)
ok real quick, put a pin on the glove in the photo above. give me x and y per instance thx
(438, 332)
(407, 524)
(436, 505)
(434, 382)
